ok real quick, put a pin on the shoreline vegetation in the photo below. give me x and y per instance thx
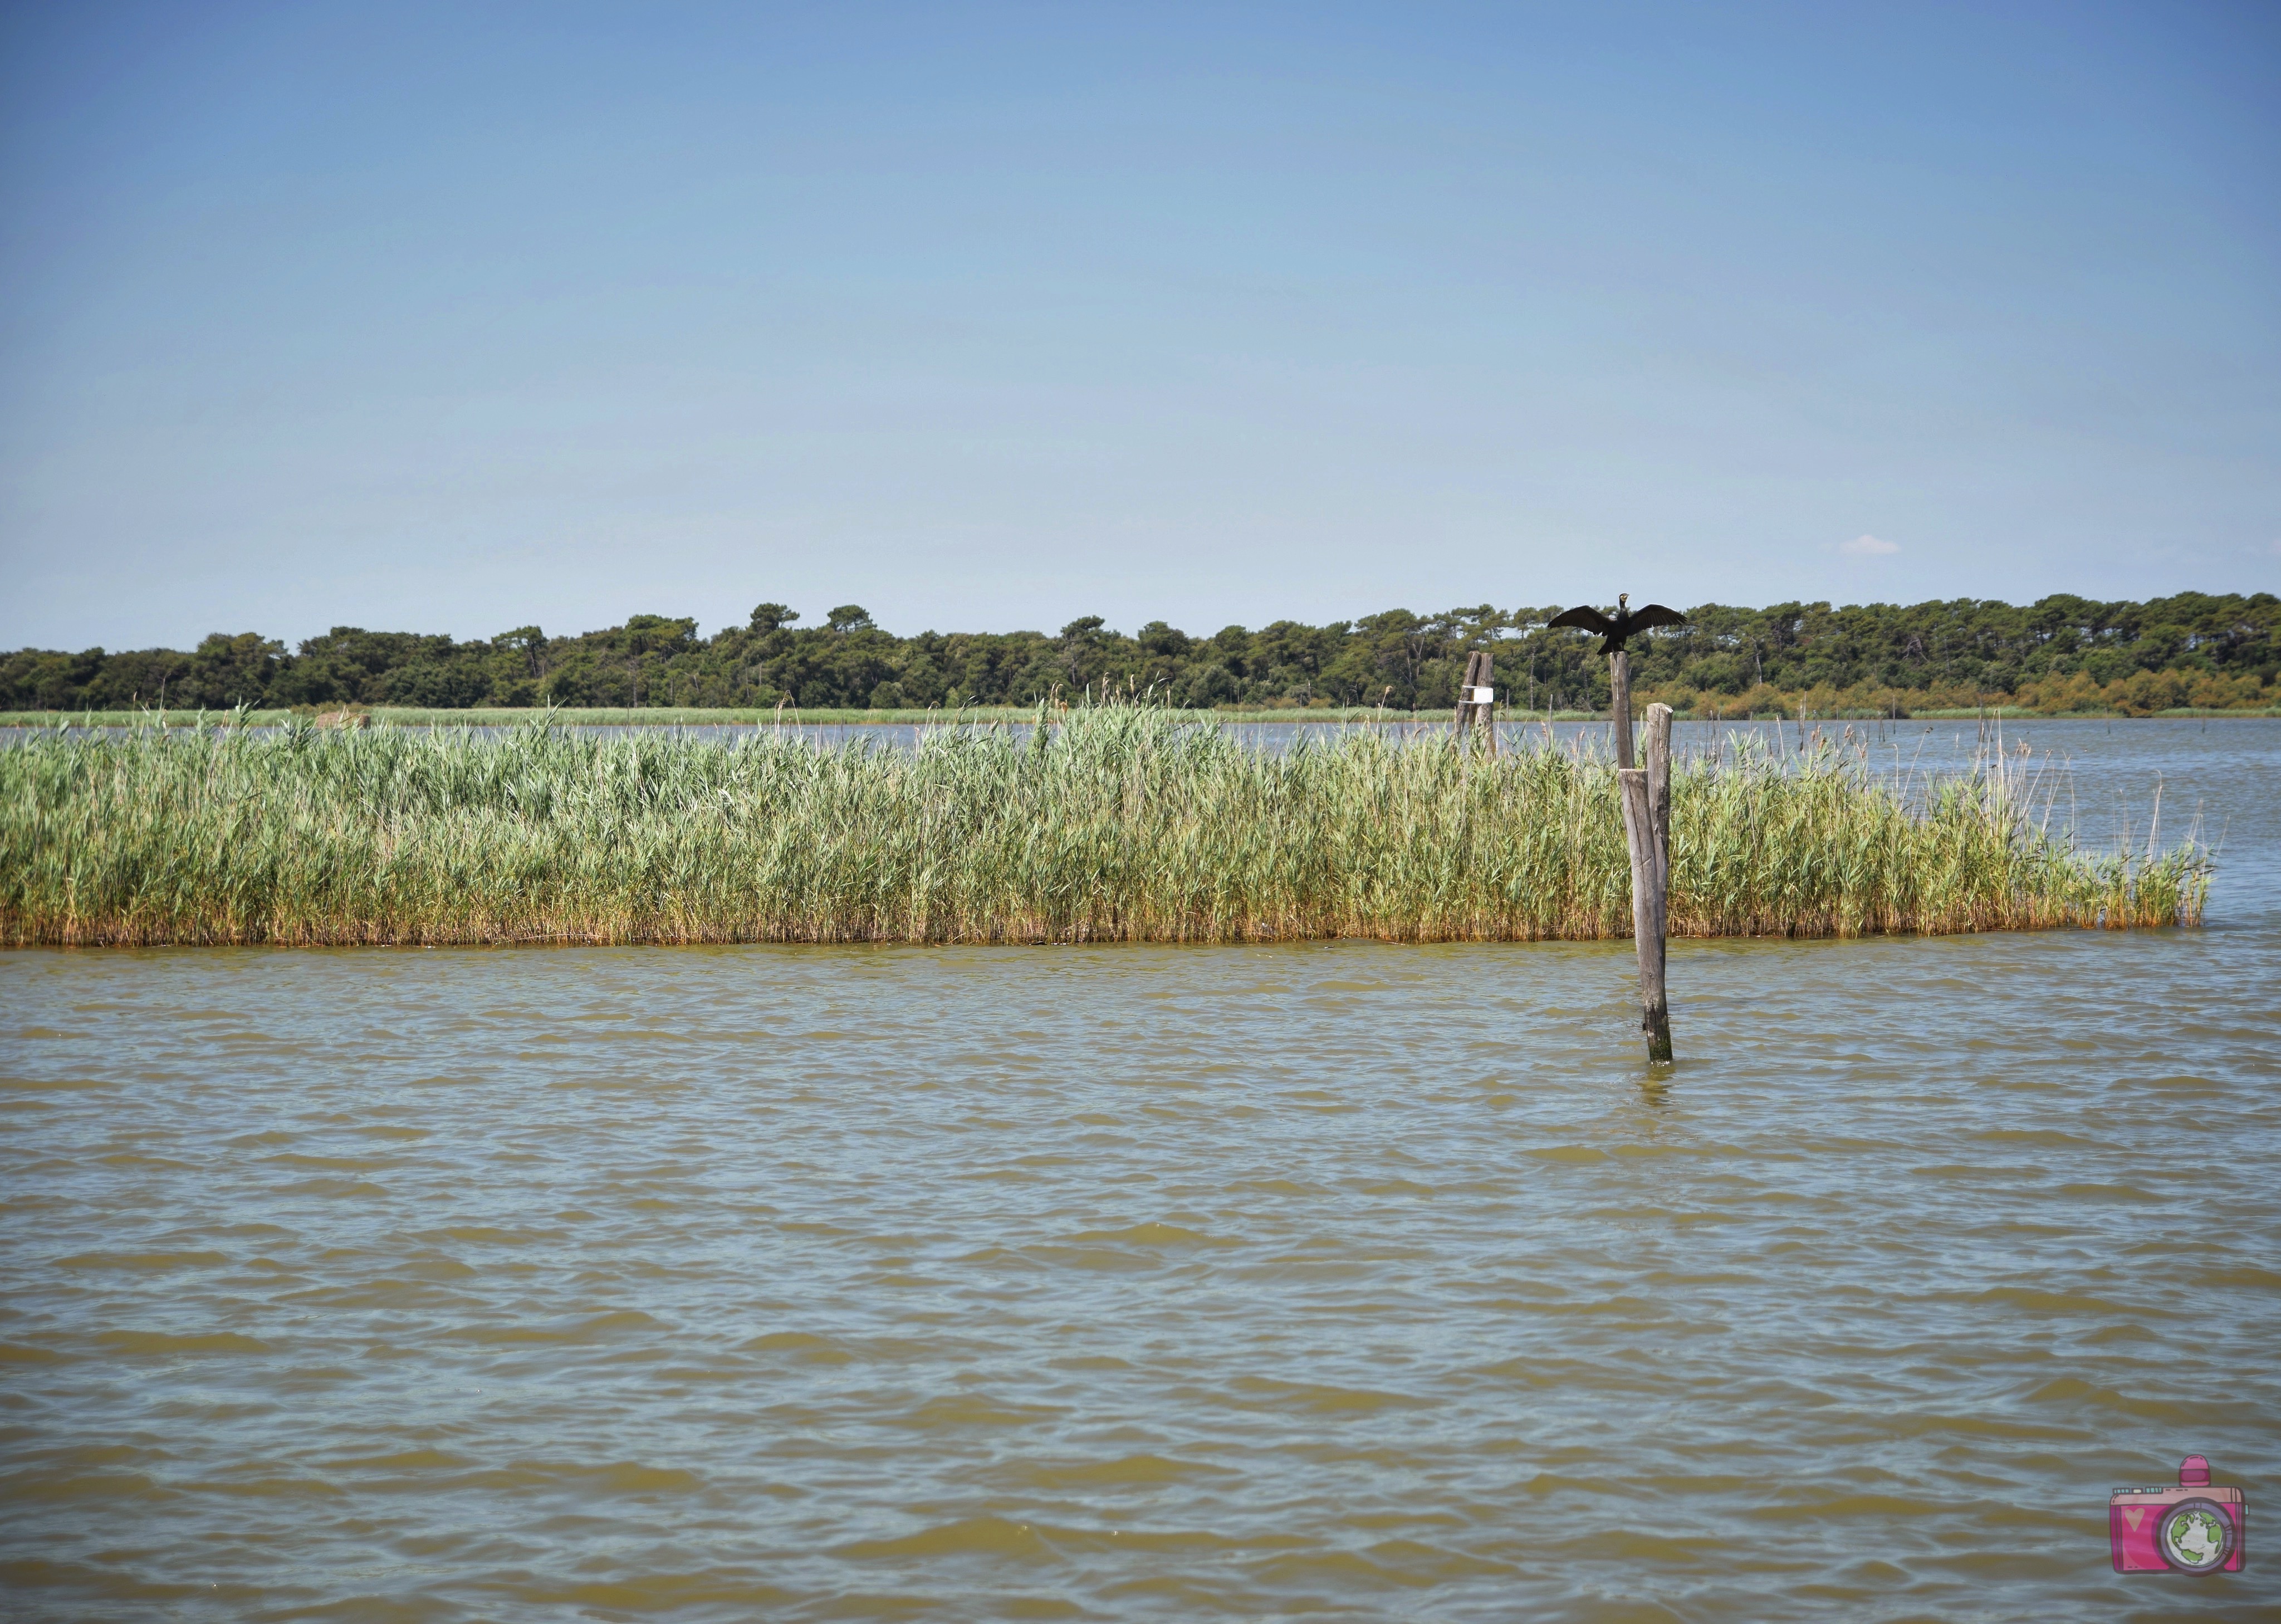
(1114, 822)
(1787, 709)
(2062, 656)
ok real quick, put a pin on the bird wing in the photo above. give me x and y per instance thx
(1586, 618)
(1656, 615)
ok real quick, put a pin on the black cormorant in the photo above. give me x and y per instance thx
(1626, 621)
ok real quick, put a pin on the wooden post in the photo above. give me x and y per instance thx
(1619, 704)
(1647, 911)
(1659, 795)
(1480, 670)
(1465, 694)
(1486, 710)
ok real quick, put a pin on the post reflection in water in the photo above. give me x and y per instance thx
(1146, 1282)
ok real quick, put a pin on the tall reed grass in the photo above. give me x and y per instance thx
(1122, 823)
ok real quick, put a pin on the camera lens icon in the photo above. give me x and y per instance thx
(2195, 1536)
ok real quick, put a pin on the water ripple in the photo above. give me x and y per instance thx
(1184, 1283)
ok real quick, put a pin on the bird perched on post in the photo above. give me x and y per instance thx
(1627, 621)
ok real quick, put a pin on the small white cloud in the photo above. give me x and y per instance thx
(1868, 546)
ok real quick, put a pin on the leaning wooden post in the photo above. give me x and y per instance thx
(1647, 910)
(1465, 694)
(1485, 700)
(1620, 703)
(1474, 698)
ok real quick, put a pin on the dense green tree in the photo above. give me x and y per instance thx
(1397, 658)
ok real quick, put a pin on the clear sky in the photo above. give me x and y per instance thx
(453, 318)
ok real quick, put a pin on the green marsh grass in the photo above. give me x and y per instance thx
(1118, 825)
(658, 715)
(661, 716)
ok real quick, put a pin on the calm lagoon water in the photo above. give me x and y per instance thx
(1334, 1279)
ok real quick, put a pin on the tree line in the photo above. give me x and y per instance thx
(2057, 653)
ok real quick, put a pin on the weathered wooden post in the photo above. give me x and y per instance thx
(1476, 697)
(1647, 831)
(1646, 794)
(1465, 695)
(1658, 794)
(1620, 703)
(1485, 700)
(1647, 911)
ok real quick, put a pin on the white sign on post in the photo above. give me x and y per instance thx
(1481, 696)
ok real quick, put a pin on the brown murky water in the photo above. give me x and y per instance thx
(1340, 1278)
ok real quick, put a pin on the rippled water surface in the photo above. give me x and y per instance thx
(1129, 1282)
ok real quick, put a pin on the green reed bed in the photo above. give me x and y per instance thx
(664, 716)
(1119, 825)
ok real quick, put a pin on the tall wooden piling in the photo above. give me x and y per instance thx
(1658, 794)
(1619, 704)
(1647, 912)
(1647, 830)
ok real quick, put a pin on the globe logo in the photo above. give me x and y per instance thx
(2196, 1537)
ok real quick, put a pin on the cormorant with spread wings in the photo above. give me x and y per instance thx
(1626, 621)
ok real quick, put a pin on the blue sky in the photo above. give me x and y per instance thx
(455, 318)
